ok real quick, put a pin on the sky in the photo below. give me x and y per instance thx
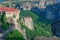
(58, 0)
(1, 0)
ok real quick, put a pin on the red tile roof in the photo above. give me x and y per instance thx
(7, 9)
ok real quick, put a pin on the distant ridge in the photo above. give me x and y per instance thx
(21, 0)
(30, 0)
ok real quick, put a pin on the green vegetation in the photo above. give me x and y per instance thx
(40, 28)
(14, 35)
(29, 14)
(30, 33)
(14, 16)
(4, 22)
(5, 26)
(3, 18)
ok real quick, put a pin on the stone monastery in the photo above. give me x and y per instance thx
(10, 12)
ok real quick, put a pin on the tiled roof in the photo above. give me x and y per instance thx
(7, 9)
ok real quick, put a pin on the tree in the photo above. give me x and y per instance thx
(14, 35)
(3, 18)
(5, 26)
(28, 14)
(4, 22)
(14, 16)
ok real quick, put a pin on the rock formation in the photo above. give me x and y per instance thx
(46, 38)
(27, 21)
(49, 2)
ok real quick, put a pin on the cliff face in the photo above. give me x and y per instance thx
(27, 21)
(44, 3)
(47, 38)
(49, 2)
(53, 12)
(28, 4)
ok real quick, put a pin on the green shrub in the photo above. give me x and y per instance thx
(5, 26)
(14, 35)
(14, 16)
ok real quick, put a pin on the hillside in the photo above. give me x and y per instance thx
(41, 21)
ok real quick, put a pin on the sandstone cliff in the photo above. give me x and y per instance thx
(27, 21)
